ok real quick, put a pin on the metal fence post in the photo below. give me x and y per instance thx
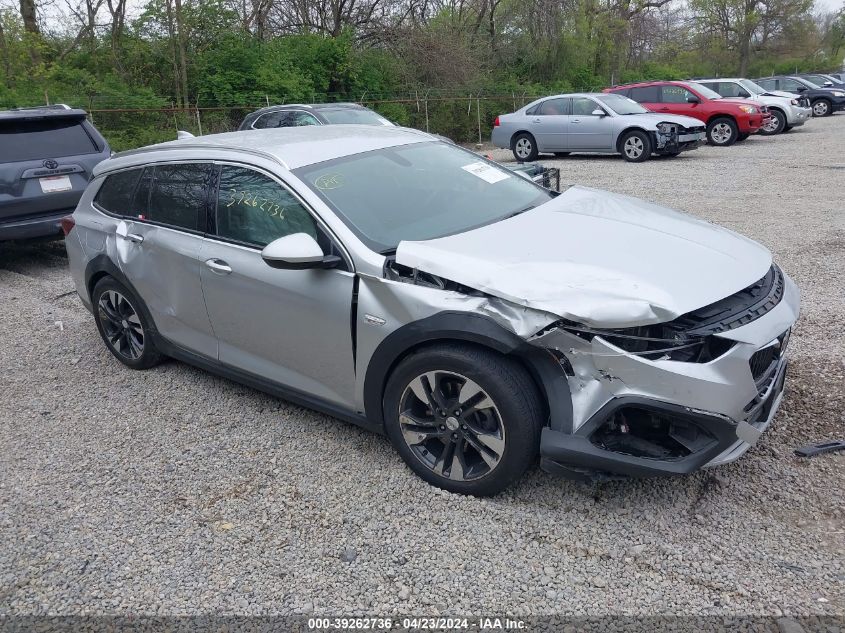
(199, 122)
(478, 115)
(425, 101)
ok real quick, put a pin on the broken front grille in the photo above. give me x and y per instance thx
(763, 362)
(740, 308)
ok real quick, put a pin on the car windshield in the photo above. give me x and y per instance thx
(622, 105)
(705, 92)
(43, 138)
(751, 87)
(353, 115)
(420, 191)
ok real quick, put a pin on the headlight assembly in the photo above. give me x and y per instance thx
(748, 109)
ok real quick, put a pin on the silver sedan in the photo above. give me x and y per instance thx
(600, 123)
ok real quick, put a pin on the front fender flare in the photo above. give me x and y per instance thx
(471, 328)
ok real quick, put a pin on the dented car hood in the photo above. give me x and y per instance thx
(599, 258)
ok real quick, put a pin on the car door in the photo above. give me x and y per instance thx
(792, 85)
(157, 244)
(548, 123)
(768, 84)
(300, 118)
(646, 96)
(291, 327)
(675, 99)
(587, 130)
(279, 118)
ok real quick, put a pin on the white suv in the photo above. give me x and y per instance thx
(787, 110)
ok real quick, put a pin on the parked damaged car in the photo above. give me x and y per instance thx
(601, 123)
(727, 120)
(787, 110)
(416, 289)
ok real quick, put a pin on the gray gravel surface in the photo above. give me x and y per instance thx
(173, 491)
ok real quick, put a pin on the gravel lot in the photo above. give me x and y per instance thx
(173, 491)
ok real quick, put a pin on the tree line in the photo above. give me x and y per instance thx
(113, 53)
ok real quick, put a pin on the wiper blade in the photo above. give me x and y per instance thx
(516, 213)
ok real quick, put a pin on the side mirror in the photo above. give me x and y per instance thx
(744, 94)
(693, 99)
(298, 251)
(802, 88)
(598, 112)
(828, 84)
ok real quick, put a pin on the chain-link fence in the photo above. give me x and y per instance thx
(465, 118)
(128, 122)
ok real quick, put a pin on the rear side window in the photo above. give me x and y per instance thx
(645, 94)
(281, 118)
(768, 84)
(42, 139)
(115, 196)
(179, 195)
(552, 107)
(730, 89)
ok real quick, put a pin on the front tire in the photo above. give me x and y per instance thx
(777, 124)
(722, 132)
(463, 418)
(524, 147)
(821, 107)
(122, 325)
(635, 146)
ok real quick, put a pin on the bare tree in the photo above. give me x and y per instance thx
(28, 15)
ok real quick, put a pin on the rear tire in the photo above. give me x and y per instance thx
(777, 126)
(123, 326)
(524, 147)
(463, 418)
(635, 146)
(722, 132)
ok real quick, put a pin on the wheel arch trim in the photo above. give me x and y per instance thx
(101, 266)
(628, 130)
(447, 326)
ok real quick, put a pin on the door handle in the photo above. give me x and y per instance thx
(218, 266)
(574, 120)
(132, 237)
(537, 120)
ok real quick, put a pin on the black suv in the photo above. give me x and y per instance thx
(294, 115)
(824, 101)
(47, 155)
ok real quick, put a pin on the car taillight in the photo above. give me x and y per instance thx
(67, 224)
(496, 122)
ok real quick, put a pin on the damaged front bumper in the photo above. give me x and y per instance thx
(671, 138)
(635, 417)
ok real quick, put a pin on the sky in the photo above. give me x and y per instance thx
(829, 5)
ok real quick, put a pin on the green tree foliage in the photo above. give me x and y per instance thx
(399, 56)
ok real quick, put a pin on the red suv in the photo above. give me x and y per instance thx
(728, 120)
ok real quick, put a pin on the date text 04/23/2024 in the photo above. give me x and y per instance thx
(421, 623)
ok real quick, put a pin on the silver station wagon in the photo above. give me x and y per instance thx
(416, 289)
